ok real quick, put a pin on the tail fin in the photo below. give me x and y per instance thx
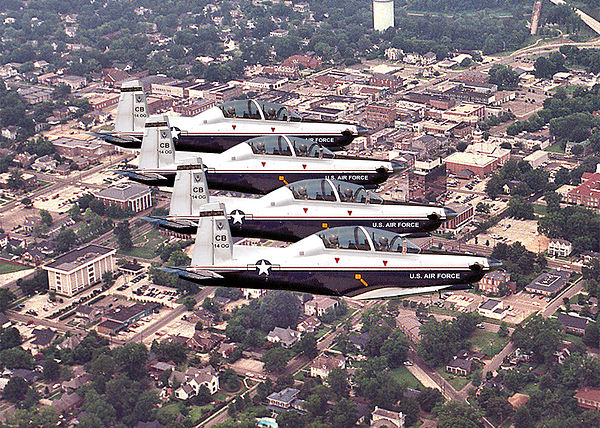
(157, 150)
(190, 191)
(132, 110)
(213, 239)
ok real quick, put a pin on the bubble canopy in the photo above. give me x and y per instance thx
(332, 190)
(366, 239)
(259, 110)
(281, 145)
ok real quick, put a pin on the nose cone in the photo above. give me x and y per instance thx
(450, 213)
(493, 264)
(361, 130)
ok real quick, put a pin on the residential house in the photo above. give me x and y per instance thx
(588, 398)
(322, 365)
(494, 282)
(286, 336)
(319, 305)
(204, 341)
(386, 418)
(43, 337)
(560, 248)
(460, 366)
(285, 399)
(67, 403)
(572, 323)
(192, 379)
(88, 313)
(309, 325)
(75, 383)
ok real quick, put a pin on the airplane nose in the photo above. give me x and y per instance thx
(450, 213)
(493, 264)
(361, 130)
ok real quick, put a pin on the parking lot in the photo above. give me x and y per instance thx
(510, 230)
(61, 200)
(522, 305)
(141, 288)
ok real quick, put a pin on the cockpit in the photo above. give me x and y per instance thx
(332, 190)
(366, 239)
(280, 145)
(259, 110)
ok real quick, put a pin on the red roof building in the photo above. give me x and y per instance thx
(588, 398)
(588, 192)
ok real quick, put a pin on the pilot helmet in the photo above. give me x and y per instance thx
(231, 110)
(383, 241)
(260, 146)
(348, 193)
(271, 111)
(302, 191)
(303, 147)
(333, 239)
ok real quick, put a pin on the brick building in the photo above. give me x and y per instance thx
(136, 197)
(492, 282)
(587, 193)
(380, 115)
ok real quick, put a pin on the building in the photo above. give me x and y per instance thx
(383, 14)
(427, 181)
(492, 308)
(285, 399)
(549, 283)
(378, 115)
(560, 248)
(79, 269)
(478, 163)
(74, 82)
(460, 366)
(192, 379)
(322, 365)
(309, 325)
(386, 80)
(204, 341)
(587, 193)
(588, 398)
(133, 196)
(67, 403)
(537, 158)
(464, 213)
(319, 305)
(71, 147)
(465, 113)
(286, 336)
(386, 418)
(493, 282)
(121, 317)
(193, 107)
(572, 324)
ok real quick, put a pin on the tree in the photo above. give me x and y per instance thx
(316, 402)
(522, 418)
(338, 382)
(395, 349)
(539, 335)
(189, 303)
(6, 298)
(290, 419)
(65, 240)
(592, 335)
(123, 235)
(133, 356)
(503, 329)
(308, 346)
(455, 414)
(343, 414)
(101, 370)
(504, 76)
(145, 407)
(108, 279)
(276, 359)
(476, 378)
(15, 389)
(51, 369)
(520, 208)
(46, 217)
(562, 177)
(428, 399)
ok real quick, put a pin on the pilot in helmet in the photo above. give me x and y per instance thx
(302, 149)
(383, 244)
(302, 192)
(271, 113)
(348, 194)
(334, 241)
(260, 146)
(231, 111)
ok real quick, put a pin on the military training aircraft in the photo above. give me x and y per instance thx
(354, 261)
(259, 165)
(222, 127)
(297, 210)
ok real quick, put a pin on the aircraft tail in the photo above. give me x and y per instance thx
(190, 191)
(132, 110)
(213, 243)
(158, 151)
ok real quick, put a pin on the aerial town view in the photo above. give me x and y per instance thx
(299, 213)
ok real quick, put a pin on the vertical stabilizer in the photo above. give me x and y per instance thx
(190, 191)
(132, 110)
(157, 150)
(213, 238)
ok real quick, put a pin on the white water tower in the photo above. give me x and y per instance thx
(383, 14)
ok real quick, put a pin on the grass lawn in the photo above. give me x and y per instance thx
(220, 396)
(198, 413)
(555, 148)
(6, 267)
(145, 245)
(487, 342)
(457, 382)
(322, 331)
(406, 378)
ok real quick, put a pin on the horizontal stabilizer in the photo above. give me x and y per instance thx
(126, 141)
(192, 274)
(139, 176)
(172, 223)
(391, 292)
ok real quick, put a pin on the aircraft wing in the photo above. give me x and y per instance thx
(171, 223)
(192, 274)
(143, 176)
(391, 292)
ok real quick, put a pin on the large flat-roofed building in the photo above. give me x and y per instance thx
(549, 283)
(478, 163)
(468, 113)
(380, 115)
(122, 317)
(136, 197)
(71, 147)
(78, 269)
(464, 213)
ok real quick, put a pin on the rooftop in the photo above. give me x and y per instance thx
(124, 192)
(74, 259)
